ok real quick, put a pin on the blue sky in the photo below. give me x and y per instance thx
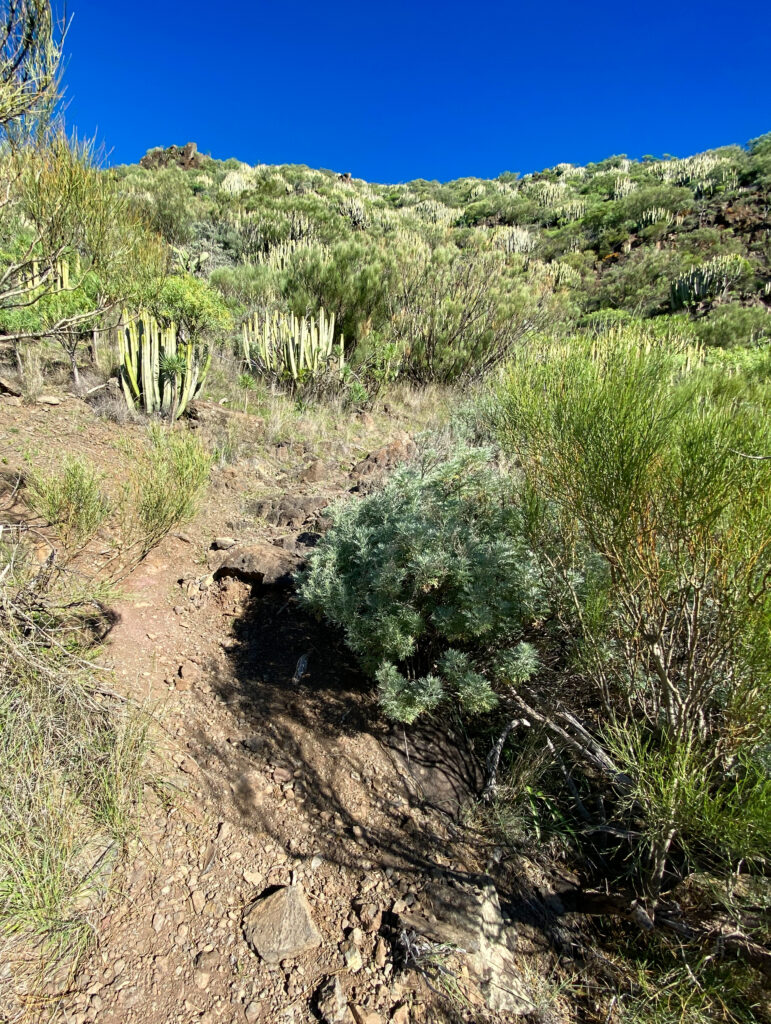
(405, 90)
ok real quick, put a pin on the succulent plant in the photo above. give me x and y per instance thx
(288, 346)
(157, 370)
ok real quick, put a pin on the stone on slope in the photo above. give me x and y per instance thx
(331, 1002)
(280, 927)
(257, 563)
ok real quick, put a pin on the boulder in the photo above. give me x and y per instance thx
(223, 543)
(383, 460)
(314, 473)
(280, 927)
(7, 387)
(257, 564)
(290, 511)
(187, 157)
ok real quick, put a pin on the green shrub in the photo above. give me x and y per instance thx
(72, 772)
(432, 584)
(167, 480)
(735, 325)
(457, 313)
(652, 513)
(72, 500)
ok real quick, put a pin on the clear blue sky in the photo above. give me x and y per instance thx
(407, 90)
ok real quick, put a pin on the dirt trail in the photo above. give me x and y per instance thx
(275, 769)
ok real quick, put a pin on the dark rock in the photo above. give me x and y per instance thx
(314, 473)
(371, 469)
(471, 920)
(7, 387)
(331, 1002)
(258, 563)
(291, 512)
(280, 927)
(187, 157)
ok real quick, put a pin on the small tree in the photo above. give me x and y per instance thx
(195, 308)
(29, 64)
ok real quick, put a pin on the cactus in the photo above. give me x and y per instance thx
(157, 369)
(514, 240)
(290, 346)
(706, 281)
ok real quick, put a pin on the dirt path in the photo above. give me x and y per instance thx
(276, 772)
(278, 777)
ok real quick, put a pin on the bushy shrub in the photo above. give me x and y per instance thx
(457, 313)
(71, 500)
(651, 493)
(732, 325)
(432, 583)
(166, 481)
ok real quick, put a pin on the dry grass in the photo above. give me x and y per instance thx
(72, 757)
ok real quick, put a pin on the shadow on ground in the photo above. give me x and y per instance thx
(363, 791)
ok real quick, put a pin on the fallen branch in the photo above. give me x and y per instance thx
(494, 758)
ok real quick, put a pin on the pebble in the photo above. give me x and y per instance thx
(202, 979)
(352, 957)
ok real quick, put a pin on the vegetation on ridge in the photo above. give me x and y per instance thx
(579, 565)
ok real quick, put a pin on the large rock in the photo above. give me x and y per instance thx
(471, 920)
(7, 387)
(280, 927)
(187, 157)
(373, 468)
(291, 510)
(257, 563)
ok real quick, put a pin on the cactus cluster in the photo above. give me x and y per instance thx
(570, 210)
(657, 215)
(158, 370)
(291, 347)
(706, 281)
(279, 256)
(435, 212)
(514, 240)
(353, 209)
(623, 186)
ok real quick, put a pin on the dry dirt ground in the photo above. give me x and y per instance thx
(274, 769)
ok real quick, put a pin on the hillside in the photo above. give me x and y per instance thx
(653, 238)
(385, 587)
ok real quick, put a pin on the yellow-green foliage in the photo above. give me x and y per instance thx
(292, 347)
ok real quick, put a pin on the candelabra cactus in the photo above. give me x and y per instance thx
(292, 347)
(707, 281)
(159, 371)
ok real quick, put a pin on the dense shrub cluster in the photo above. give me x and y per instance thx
(432, 583)
(609, 587)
